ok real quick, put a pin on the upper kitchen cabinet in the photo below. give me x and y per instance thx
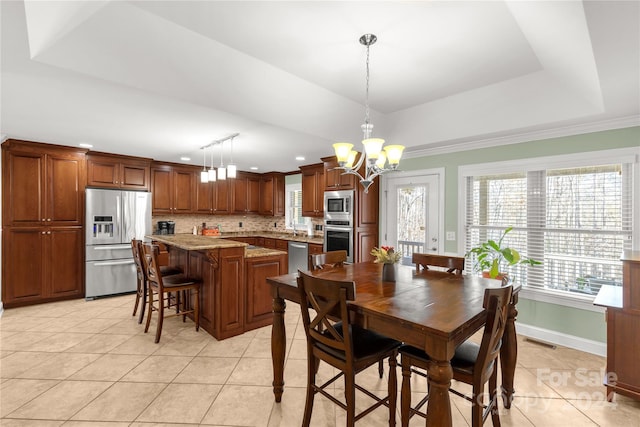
(173, 188)
(334, 178)
(43, 184)
(246, 194)
(313, 190)
(113, 171)
(272, 194)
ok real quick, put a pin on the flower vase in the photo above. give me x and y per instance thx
(388, 272)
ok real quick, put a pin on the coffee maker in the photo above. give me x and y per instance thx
(163, 227)
(171, 227)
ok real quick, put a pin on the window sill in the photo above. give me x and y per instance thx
(574, 301)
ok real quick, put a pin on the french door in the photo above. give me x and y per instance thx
(412, 213)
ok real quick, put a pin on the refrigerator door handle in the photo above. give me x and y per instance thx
(108, 263)
(119, 216)
(110, 247)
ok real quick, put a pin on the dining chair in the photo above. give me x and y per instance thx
(452, 264)
(327, 260)
(474, 364)
(333, 339)
(160, 287)
(141, 289)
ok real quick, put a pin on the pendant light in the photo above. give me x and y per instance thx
(222, 172)
(212, 171)
(231, 167)
(204, 175)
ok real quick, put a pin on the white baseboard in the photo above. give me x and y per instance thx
(559, 338)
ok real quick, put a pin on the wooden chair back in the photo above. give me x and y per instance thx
(452, 264)
(136, 248)
(496, 302)
(151, 266)
(328, 300)
(327, 260)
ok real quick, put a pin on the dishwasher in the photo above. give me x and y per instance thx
(298, 256)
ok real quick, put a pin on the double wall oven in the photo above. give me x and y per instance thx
(338, 222)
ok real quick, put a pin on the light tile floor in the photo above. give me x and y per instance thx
(88, 363)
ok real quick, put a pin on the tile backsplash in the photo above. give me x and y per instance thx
(231, 223)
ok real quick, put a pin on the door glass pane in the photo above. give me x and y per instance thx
(411, 224)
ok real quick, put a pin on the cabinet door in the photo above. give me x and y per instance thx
(334, 178)
(162, 190)
(204, 197)
(134, 177)
(266, 196)
(23, 259)
(253, 195)
(23, 189)
(230, 296)
(309, 194)
(240, 196)
(184, 189)
(64, 270)
(222, 197)
(259, 305)
(65, 190)
(102, 173)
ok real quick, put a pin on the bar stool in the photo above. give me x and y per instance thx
(141, 291)
(161, 286)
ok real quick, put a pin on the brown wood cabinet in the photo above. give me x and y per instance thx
(112, 171)
(43, 214)
(246, 194)
(334, 178)
(313, 190)
(259, 302)
(623, 329)
(366, 221)
(272, 194)
(42, 184)
(173, 189)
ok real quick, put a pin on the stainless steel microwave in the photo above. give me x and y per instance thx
(338, 204)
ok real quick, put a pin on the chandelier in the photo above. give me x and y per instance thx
(221, 173)
(373, 155)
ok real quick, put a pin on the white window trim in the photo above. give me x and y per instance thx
(620, 155)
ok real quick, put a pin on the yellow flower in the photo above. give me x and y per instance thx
(386, 255)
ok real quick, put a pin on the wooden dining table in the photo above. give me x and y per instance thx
(432, 310)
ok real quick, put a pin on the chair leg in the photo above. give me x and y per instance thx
(144, 302)
(196, 309)
(393, 389)
(381, 369)
(405, 395)
(160, 320)
(146, 328)
(138, 294)
(350, 397)
(477, 407)
(493, 393)
(311, 380)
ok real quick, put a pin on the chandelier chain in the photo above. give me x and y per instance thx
(366, 97)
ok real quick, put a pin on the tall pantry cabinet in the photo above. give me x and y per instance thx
(42, 217)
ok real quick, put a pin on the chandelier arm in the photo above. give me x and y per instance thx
(349, 171)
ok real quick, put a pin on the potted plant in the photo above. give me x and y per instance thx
(386, 256)
(491, 256)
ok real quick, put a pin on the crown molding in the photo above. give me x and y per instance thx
(617, 123)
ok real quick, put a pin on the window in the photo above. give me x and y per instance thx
(293, 212)
(575, 216)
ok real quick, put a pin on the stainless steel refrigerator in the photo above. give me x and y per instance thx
(113, 218)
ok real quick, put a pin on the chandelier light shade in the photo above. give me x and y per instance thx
(372, 156)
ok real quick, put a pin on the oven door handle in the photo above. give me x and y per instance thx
(332, 228)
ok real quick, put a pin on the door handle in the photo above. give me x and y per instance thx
(107, 263)
(111, 247)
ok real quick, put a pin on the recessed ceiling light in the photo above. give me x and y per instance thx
(300, 158)
(185, 159)
(85, 145)
(254, 168)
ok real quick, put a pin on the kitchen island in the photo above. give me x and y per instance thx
(235, 296)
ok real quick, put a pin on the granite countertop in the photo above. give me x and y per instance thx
(274, 235)
(191, 242)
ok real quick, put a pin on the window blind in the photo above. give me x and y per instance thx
(576, 220)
